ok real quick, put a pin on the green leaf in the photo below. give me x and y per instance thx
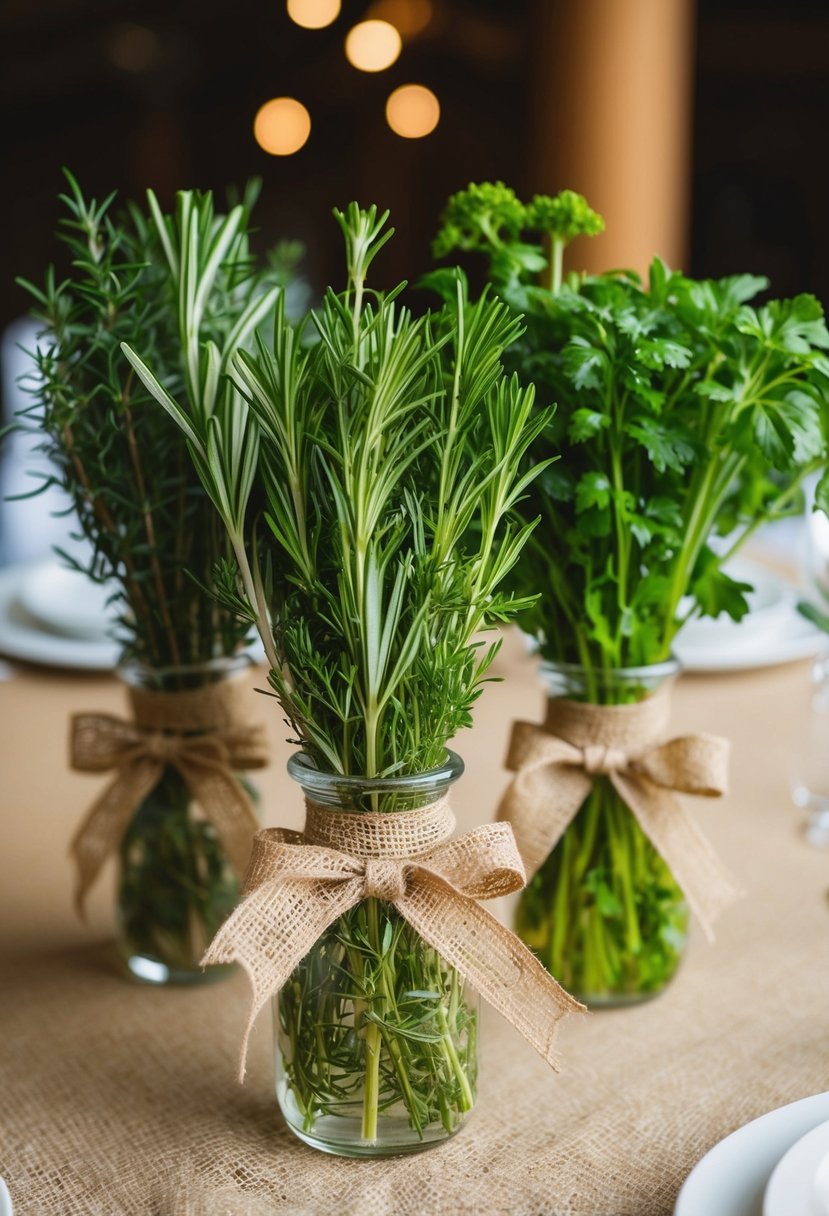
(789, 430)
(812, 613)
(659, 353)
(585, 365)
(793, 326)
(714, 391)
(715, 591)
(585, 424)
(592, 490)
(668, 447)
(822, 494)
(163, 398)
(607, 901)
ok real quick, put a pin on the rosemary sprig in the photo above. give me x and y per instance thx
(389, 449)
(388, 452)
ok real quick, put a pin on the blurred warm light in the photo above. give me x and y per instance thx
(412, 111)
(410, 17)
(372, 46)
(282, 125)
(313, 14)
(133, 48)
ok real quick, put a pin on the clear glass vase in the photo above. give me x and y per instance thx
(175, 885)
(604, 913)
(375, 1034)
(810, 752)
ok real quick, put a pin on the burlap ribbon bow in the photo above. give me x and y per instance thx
(298, 884)
(556, 765)
(199, 732)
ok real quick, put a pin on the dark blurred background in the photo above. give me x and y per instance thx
(698, 129)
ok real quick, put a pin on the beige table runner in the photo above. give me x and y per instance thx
(119, 1099)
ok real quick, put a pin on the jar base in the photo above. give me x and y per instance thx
(145, 969)
(617, 1000)
(365, 1148)
(341, 1135)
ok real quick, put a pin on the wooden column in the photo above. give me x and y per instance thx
(612, 119)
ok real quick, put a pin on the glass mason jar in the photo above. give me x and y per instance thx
(376, 1035)
(810, 750)
(604, 913)
(175, 885)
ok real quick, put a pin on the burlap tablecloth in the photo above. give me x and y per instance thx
(117, 1099)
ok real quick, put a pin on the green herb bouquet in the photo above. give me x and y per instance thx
(154, 537)
(388, 452)
(686, 417)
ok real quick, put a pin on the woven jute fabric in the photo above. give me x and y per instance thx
(296, 888)
(406, 833)
(556, 765)
(121, 1100)
(204, 733)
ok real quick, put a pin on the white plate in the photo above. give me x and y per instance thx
(66, 601)
(773, 631)
(793, 638)
(24, 637)
(731, 1178)
(796, 1188)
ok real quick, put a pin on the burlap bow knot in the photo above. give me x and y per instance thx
(557, 763)
(140, 750)
(297, 887)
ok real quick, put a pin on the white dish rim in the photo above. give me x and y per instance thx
(805, 1146)
(39, 646)
(799, 1117)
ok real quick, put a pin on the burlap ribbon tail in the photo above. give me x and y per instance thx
(557, 764)
(202, 733)
(299, 883)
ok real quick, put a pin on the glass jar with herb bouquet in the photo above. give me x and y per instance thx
(388, 454)
(686, 416)
(176, 813)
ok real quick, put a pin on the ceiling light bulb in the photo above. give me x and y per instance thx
(314, 14)
(282, 125)
(372, 46)
(412, 111)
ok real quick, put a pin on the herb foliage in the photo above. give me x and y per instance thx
(153, 531)
(686, 416)
(683, 411)
(388, 452)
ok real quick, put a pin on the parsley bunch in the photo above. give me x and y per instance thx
(684, 411)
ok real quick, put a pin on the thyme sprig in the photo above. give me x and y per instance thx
(123, 463)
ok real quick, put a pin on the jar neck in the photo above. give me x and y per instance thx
(187, 676)
(385, 794)
(606, 686)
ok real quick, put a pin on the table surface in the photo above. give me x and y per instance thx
(116, 1098)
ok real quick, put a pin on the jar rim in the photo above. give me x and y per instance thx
(668, 667)
(135, 673)
(302, 769)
